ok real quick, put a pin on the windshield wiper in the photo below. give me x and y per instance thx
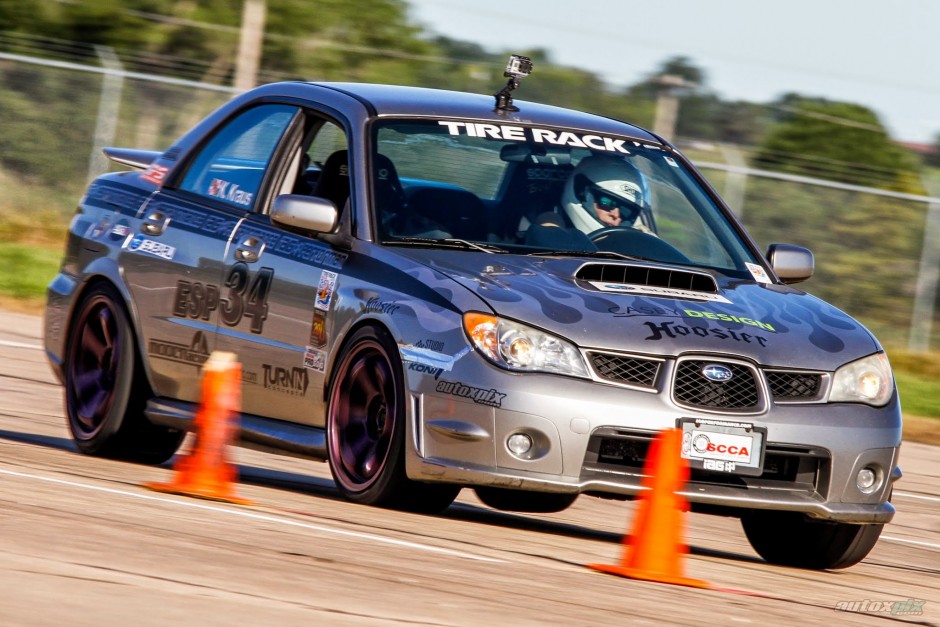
(607, 254)
(444, 243)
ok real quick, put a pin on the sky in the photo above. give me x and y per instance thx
(882, 54)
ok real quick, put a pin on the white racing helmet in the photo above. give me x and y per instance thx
(610, 182)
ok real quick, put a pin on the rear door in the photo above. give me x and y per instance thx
(173, 257)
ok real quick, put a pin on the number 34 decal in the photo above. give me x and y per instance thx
(246, 296)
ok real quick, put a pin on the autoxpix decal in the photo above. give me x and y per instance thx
(195, 353)
(325, 290)
(139, 244)
(671, 330)
(245, 296)
(292, 381)
(478, 395)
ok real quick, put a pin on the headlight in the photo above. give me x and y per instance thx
(519, 347)
(867, 380)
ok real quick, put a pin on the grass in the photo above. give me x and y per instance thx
(29, 268)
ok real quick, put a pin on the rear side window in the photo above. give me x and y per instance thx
(231, 167)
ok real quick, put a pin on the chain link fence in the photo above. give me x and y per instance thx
(877, 252)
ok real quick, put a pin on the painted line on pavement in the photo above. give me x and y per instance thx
(20, 345)
(931, 545)
(917, 496)
(262, 517)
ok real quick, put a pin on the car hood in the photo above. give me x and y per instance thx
(774, 325)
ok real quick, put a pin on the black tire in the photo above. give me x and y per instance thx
(366, 429)
(105, 392)
(792, 539)
(509, 500)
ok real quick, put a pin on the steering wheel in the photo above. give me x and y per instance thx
(635, 243)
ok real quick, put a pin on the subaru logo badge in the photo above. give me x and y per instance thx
(715, 372)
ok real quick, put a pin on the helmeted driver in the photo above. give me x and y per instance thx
(604, 191)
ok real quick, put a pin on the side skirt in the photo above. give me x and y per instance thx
(254, 432)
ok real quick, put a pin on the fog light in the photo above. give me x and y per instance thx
(519, 444)
(866, 479)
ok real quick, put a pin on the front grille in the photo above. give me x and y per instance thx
(794, 386)
(693, 389)
(625, 369)
(616, 452)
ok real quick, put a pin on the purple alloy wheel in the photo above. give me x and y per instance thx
(364, 417)
(94, 365)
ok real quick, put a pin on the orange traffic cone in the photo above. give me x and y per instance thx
(206, 472)
(654, 548)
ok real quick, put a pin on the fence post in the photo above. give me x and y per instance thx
(925, 291)
(112, 84)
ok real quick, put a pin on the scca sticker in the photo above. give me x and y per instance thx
(537, 136)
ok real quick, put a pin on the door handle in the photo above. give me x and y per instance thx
(249, 249)
(155, 223)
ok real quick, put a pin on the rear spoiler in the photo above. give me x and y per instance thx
(139, 159)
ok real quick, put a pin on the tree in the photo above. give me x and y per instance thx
(839, 141)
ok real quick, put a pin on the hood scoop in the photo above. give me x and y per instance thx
(651, 280)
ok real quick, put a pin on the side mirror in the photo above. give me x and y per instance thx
(309, 213)
(791, 263)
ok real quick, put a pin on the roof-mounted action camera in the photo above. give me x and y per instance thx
(517, 67)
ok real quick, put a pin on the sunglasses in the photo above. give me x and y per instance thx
(608, 202)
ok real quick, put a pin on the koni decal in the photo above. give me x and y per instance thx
(246, 296)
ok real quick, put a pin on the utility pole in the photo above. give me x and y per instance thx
(249, 45)
(667, 104)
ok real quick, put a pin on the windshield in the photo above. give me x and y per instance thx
(536, 190)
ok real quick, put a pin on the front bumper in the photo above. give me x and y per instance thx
(592, 438)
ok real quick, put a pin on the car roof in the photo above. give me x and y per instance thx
(399, 100)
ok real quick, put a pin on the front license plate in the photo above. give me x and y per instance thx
(723, 446)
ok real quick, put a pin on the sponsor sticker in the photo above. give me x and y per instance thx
(226, 190)
(140, 244)
(315, 359)
(325, 290)
(758, 272)
(666, 292)
(538, 136)
(318, 329)
(155, 174)
(723, 446)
